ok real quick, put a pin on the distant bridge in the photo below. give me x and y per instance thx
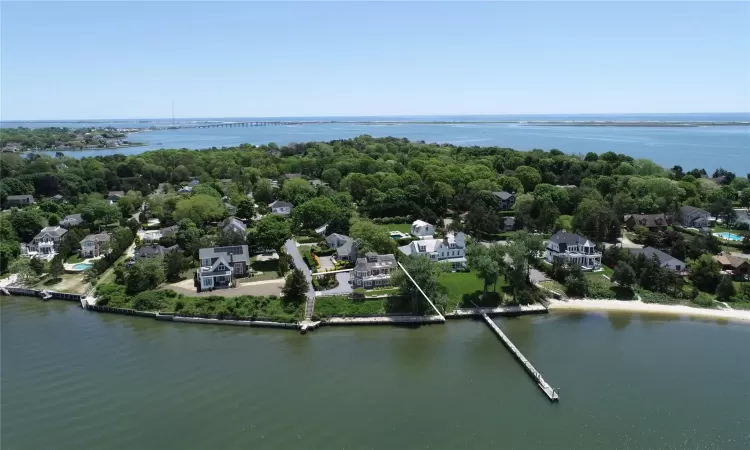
(241, 124)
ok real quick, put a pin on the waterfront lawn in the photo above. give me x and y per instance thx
(269, 268)
(598, 286)
(67, 282)
(167, 301)
(389, 291)
(343, 306)
(465, 290)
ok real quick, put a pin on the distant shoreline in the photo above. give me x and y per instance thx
(78, 149)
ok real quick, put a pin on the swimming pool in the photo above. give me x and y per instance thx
(82, 266)
(728, 236)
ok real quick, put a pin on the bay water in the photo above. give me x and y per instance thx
(707, 147)
(73, 379)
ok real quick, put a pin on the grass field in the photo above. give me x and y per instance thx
(343, 306)
(402, 227)
(74, 258)
(465, 290)
(268, 267)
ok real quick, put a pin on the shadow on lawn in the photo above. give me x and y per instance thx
(475, 299)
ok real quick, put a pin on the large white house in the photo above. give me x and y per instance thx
(422, 229)
(573, 249)
(451, 249)
(46, 242)
(95, 245)
(373, 270)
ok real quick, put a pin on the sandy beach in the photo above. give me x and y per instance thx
(638, 306)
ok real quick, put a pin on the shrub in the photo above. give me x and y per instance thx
(704, 300)
(358, 293)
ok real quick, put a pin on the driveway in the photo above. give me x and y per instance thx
(326, 263)
(627, 243)
(291, 249)
(537, 276)
(344, 288)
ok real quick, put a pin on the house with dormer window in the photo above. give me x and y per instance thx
(373, 271)
(653, 222)
(220, 266)
(46, 242)
(573, 249)
(450, 249)
(422, 229)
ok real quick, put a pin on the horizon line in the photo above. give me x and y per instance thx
(360, 116)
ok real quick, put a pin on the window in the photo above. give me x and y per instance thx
(368, 283)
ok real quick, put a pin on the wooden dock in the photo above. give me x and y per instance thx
(546, 388)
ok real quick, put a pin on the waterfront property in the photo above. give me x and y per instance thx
(737, 267)
(281, 208)
(573, 249)
(373, 270)
(347, 248)
(505, 200)
(653, 222)
(665, 260)
(221, 265)
(95, 245)
(422, 229)
(693, 217)
(19, 200)
(451, 249)
(46, 242)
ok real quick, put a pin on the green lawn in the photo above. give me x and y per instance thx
(74, 258)
(268, 268)
(343, 306)
(402, 227)
(465, 290)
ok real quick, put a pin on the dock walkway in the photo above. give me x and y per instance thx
(546, 388)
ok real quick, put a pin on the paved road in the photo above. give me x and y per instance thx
(344, 288)
(291, 249)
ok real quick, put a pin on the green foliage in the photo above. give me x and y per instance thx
(296, 287)
(100, 211)
(596, 220)
(427, 275)
(314, 213)
(246, 209)
(174, 263)
(270, 233)
(23, 268)
(725, 290)
(374, 237)
(27, 223)
(199, 209)
(624, 275)
(56, 267)
(705, 273)
(145, 274)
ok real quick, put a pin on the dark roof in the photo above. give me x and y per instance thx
(281, 204)
(169, 231)
(239, 253)
(20, 197)
(101, 237)
(510, 221)
(650, 220)
(57, 197)
(233, 222)
(116, 194)
(687, 209)
(52, 231)
(650, 252)
(503, 195)
(148, 251)
(563, 237)
(372, 259)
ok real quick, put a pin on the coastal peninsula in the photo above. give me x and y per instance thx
(23, 139)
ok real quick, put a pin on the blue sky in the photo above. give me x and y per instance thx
(98, 60)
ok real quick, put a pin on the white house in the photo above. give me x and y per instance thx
(573, 249)
(281, 208)
(422, 229)
(373, 270)
(95, 245)
(451, 249)
(46, 242)
(221, 265)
